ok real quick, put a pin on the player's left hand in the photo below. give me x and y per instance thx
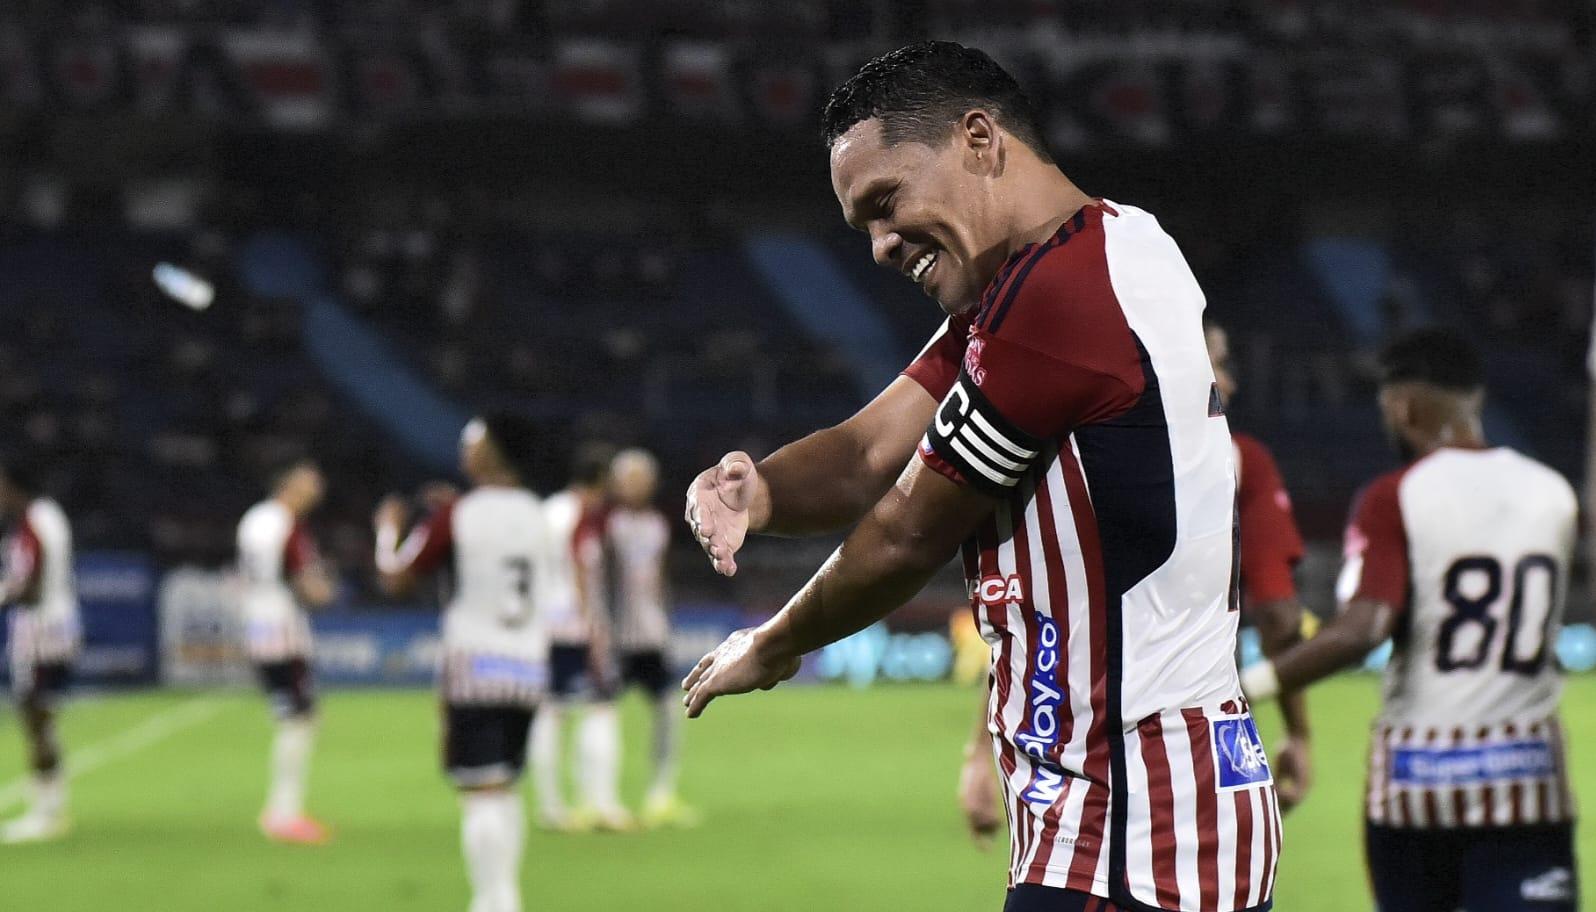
(737, 665)
(978, 797)
(1293, 769)
(391, 511)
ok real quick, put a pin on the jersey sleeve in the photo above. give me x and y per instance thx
(937, 365)
(1375, 564)
(429, 544)
(24, 559)
(1271, 546)
(1053, 354)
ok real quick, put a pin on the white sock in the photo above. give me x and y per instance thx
(546, 760)
(49, 794)
(667, 742)
(600, 745)
(491, 833)
(290, 768)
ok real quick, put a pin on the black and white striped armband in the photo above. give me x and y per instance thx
(986, 448)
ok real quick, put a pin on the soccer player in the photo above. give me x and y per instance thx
(281, 571)
(44, 638)
(638, 537)
(581, 665)
(1462, 558)
(1271, 547)
(1062, 427)
(496, 544)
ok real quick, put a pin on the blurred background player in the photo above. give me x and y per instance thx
(495, 649)
(1271, 547)
(45, 637)
(639, 539)
(282, 570)
(581, 665)
(1462, 557)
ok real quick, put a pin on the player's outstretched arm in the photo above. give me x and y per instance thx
(907, 537)
(1280, 627)
(1362, 625)
(393, 560)
(821, 483)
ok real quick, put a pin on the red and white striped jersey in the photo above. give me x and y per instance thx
(637, 541)
(38, 550)
(1080, 395)
(1471, 549)
(273, 546)
(505, 564)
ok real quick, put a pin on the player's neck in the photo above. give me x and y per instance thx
(1047, 198)
(1462, 434)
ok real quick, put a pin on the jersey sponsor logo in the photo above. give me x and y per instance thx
(1238, 753)
(505, 668)
(1556, 885)
(998, 590)
(969, 433)
(1039, 734)
(1459, 766)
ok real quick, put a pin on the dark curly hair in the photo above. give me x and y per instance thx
(1434, 355)
(921, 90)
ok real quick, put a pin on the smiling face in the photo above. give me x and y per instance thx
(929, 209)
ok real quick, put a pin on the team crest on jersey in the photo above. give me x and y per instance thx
(1238, 753)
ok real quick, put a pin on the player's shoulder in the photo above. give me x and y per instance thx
(1383, 490)
(1529, 472)
(1252, 452)
(45, 511)
(265, 516)
(1056, 298)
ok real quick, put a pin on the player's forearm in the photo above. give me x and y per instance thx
(1359, 628)
(879, 567)
(821, 483)
(1279, 624)
(830, 479)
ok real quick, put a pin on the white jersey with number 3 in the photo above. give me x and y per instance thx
(504, 561)
(1472, 549)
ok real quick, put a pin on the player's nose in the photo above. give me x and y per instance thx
(885, 247)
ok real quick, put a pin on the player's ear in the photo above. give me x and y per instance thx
(977, 134)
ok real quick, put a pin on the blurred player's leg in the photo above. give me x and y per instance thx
(484, 753)
(546, 731)
(283, 818)
(599, 741)
(662, 806)
(46, 816)
(491, 835)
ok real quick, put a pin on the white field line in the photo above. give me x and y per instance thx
(156, 728)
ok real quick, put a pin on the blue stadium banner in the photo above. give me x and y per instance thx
(116, 592)
(385, 647)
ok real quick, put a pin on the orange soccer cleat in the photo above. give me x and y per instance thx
(298, 830)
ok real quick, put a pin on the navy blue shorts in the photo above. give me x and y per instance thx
(1491, 869)
(41, 686)
(289, 686)
(485, 746)
(1037, 898)
(646, 668)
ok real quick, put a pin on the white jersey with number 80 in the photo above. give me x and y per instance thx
(1472, 549)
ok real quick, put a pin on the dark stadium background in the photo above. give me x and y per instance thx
(615, 216)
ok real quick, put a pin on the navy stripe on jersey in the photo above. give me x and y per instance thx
(969, 433)
(1131, 476)
(1065, 231)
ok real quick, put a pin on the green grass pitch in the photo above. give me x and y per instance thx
(819, 798)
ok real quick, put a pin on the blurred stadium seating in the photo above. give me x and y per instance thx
(614, 216)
